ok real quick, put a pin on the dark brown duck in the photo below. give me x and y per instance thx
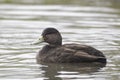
(67, 53)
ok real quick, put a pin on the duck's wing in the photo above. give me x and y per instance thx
(69, 54)
(85, 48)
(85, 57)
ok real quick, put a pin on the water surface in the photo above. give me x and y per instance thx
(92, 22)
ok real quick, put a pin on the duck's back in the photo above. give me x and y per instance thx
(70, 53)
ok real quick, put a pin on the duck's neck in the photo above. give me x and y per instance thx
(55, 45)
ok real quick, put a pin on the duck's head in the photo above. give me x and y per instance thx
(50, 36)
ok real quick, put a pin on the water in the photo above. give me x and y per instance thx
(91, 22)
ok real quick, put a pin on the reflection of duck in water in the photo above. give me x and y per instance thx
(67, 53)
(54, 71)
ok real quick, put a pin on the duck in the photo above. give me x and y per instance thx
(56, 52)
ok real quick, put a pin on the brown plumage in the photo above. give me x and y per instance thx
(67, 53)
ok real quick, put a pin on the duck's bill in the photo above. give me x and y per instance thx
(40, 40)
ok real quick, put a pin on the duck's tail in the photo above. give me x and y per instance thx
(102, 60)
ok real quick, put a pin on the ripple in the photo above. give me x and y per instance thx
(94, 23)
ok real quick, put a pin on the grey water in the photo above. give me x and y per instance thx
(91, 22)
